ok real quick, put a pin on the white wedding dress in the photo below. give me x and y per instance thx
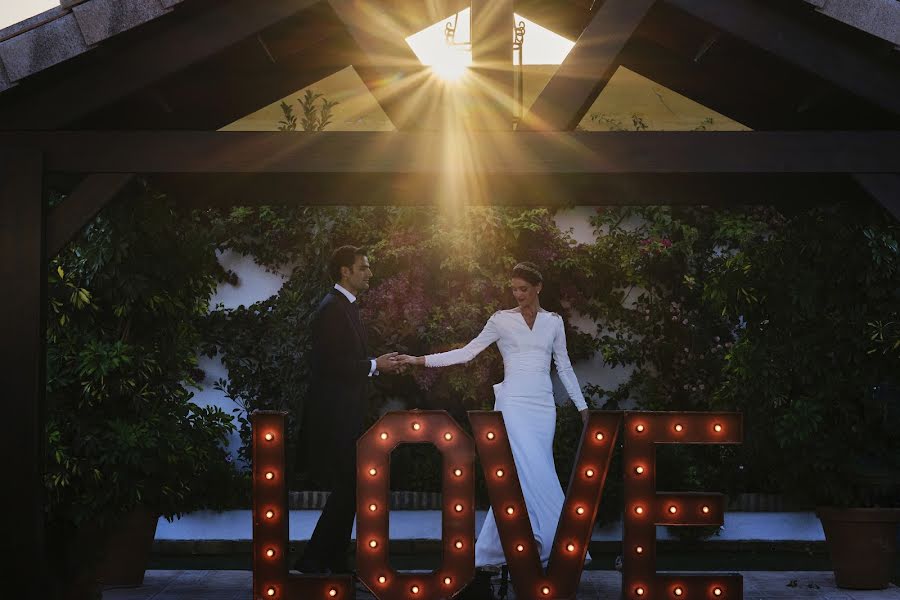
(525, 397)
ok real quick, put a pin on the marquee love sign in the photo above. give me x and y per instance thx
(645, 508)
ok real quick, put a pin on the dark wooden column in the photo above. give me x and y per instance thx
(23, 275)
(491, 79)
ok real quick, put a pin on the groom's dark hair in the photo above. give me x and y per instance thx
(344, 256)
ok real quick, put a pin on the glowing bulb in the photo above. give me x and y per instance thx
(678, 427)
(510, 510)
(270, 514)
(381, 579)
(673, 510)
(270, 475)
(639, 429)
(384, 435)
(520, 548)
(580, 510)
(458, 544)
(589, 472)
(269, 437)
(705, 510)
(717, 591)
(458, 507)
(373, 544)
(545, 590)
(599, 437)
(416, 427)
(571, 547)
(639, 550)
(448, 436)
(457, 472)
(332, 592)
(373, 508)
(717, 428)
(499, 472)
(639, 510)
(271, 591)
(414, 589)
(678, 591)
(270, 552)
(639, 591)
(639, 470)
(490, 435)
(373, 472)
(447, 580)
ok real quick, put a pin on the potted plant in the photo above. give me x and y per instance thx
(804, 368)
(125, 444)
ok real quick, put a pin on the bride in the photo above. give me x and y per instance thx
(527, 336)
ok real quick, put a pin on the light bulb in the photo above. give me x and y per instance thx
(705, 510)
(490, 435)
(545, 590)
(458, 544)
(589, 472)
(520, 548)
(510, 510)
(373, 472)
(678, 427)
(270, 475)
(270, 437)
(580, 510)
(457, 472)
(639, 470)
(447, 581)
(717, 591)
(673, 510)
(639, 550)
(717, 428)
(639, 510)
(599, 437)
(414, 589)
(373, 508)
(639, 428)
(381, 579)
(384, 435)
(448, 436)
(639, 591)
(678, 591)
(499, 472)
(270, 552)
(373, 544)
(270, 514)
(332, 592)
(571, 547)
(271, 591)
(416, 427)
(458, 507)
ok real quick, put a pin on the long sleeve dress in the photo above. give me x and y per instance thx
(525, 397)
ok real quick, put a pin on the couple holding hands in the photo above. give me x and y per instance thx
(527, 336)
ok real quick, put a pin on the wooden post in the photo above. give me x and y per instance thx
(23, 275)
(490, 83)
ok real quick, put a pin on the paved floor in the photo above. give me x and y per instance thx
(595, 585)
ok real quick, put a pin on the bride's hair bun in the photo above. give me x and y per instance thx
(529, 272)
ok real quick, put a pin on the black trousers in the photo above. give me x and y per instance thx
(327, 548)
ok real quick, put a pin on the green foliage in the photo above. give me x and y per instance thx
(816, 299)
(316, 109)
(125, 303)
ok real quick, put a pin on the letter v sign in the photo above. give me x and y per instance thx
(578, 514)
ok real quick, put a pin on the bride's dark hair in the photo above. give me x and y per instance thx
(529, 272)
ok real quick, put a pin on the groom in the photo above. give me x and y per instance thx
(334, 412)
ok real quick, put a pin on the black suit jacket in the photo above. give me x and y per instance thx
(335, 409)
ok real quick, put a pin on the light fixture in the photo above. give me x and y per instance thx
(447, 580)
(639, 550)
(705, 510)
(510, 510)
(270, 591)
(373, 507)
(414, 589)
(717, 591)
(678, 427)
(270, 514)
(458, 544)
(416, 426)
(520, 548)
(599, 437)
(545, 590)
(589, 472)
(382, 579)
(499, 472)
(457, 472)
(270, 552)
(384, 435)
(639, 470)
(373, 544)
(639, 429)
(579, 510)
(490, 435)
(639, 591)
(270, 475)
(571, 547)
(678, 591)
(373, 471)
(332, 592)
(639, 510)
(717, 428)
(448, 436)
(458, 507)
(673, 510)
(269, 437)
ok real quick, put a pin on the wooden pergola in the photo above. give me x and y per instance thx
(822, 97)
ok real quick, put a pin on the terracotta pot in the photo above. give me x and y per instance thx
(862, 543)
(128, 548)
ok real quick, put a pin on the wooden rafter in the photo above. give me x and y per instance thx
(66, 219)
(802, 46)
(146, 61)
(495, 153)
(587, 68)
(885, 189)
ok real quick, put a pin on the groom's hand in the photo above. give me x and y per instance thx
(387, 363)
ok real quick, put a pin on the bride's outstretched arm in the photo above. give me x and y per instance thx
(564, 367)
(488, 336)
